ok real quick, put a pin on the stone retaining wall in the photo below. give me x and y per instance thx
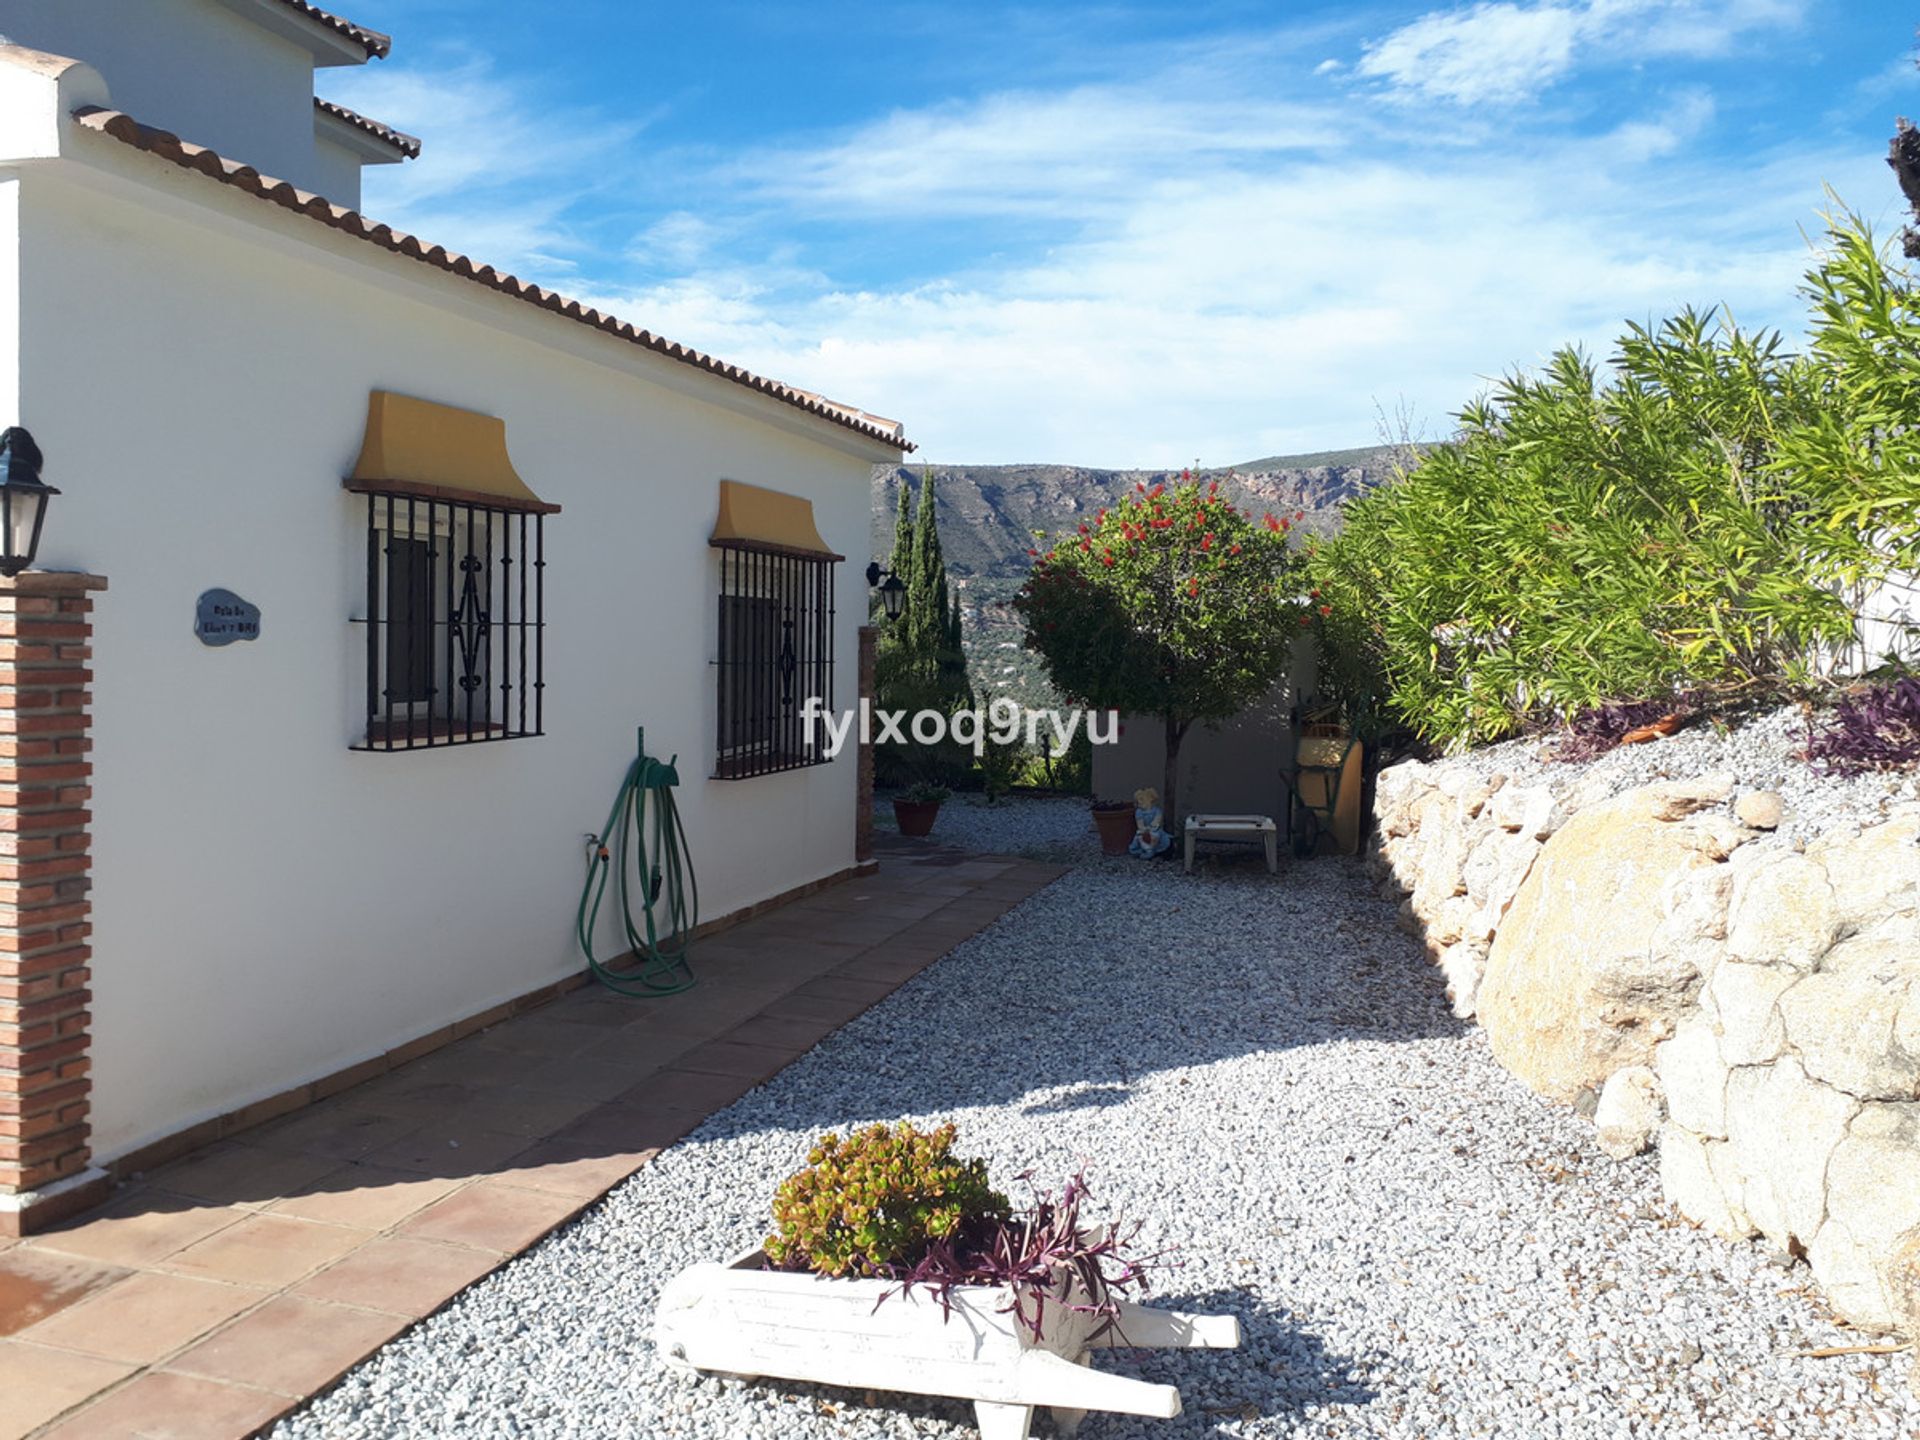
(1664, 963)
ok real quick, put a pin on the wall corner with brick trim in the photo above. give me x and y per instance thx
(863, 817)
(46, 681)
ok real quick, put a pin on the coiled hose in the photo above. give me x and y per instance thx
(659, 951)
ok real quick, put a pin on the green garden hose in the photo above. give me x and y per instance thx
(660, 953)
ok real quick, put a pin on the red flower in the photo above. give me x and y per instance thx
(1315, 592)
(1103, 513)
(1033, 552)
(1233, 549)
(1156, 492)
(1193, 587)
(1206, 541)
(1141, 486)
(1086, 544)
(1299, 515)
(1106, 557)
(1286, 525)
(1083, 530)
(1162, 524)
(1326, 609)
(1304, 620)
(1272, 524)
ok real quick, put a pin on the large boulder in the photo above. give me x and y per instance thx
(1844, 1019)
(1873, 1206)
(1574, 987)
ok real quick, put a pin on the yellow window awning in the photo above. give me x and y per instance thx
(415, 447)
(755, 519)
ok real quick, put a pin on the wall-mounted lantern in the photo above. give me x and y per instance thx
(893, 590)
(23, 500)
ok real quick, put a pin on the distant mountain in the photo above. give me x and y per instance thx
(988, 514)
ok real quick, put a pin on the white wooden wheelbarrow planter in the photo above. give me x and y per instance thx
(742, 1319)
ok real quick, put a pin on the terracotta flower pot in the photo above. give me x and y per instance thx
(915, 817)
(1115, 824)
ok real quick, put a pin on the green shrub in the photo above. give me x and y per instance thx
(1707, 516)
(1069, 772)
(873, 1202)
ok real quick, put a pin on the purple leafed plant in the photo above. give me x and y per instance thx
(1875, 729)
(1042, 1254)
(1596, 730)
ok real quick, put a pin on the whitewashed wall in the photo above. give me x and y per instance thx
(269, 906)
(199, 69)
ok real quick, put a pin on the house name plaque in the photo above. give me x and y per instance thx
(222, 617)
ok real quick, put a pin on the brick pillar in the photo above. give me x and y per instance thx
(863, 820)
(45, 916)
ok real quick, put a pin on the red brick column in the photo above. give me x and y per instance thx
(863, 820)
(45, 697)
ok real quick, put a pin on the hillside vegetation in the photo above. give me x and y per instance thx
(988, 515)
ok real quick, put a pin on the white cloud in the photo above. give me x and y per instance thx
(1502, 51)
(1497, 52)
(1223, 271)
(1081, 149)
(1269, 315)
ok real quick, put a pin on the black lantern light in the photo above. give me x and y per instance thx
(23, 500)
(893, 590)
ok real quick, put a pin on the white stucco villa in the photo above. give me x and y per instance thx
(471, 536)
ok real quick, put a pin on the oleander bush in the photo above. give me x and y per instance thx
(1702, 516)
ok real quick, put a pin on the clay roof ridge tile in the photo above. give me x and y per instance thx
(377, 45)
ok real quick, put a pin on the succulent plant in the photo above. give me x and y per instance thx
(873, 1202)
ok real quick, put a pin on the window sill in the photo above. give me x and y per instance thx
(750, 767)
(435, 735)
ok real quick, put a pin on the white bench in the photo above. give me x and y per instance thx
(1235, 827)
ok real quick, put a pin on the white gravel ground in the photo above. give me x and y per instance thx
(1763, 752)
(1266, 1072)
(1044, 827)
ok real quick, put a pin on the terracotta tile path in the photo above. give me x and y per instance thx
(216, 1293)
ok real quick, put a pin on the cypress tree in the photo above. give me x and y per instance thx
(926, 583)
(901, 562)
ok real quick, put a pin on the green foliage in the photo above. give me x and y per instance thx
(1000, 766)
(874, 1201)
(1705, 517)
(1070, 773)
(919, 662)
(1171, 604)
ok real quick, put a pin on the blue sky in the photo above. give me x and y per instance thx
(1142, 234)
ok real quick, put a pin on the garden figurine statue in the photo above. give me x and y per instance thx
(1149, 837)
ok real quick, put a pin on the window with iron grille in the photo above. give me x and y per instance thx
(455, 638)
(775, 651)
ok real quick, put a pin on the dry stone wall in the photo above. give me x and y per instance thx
(1665, 963)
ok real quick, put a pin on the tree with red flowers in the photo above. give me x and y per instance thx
(1172, 603)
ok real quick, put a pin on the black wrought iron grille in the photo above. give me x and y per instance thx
(775, 651)
(455, 640)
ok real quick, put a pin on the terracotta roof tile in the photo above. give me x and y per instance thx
(377, 46)
(167, 146)
(407, 145)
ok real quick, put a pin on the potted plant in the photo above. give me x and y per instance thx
(895, 1265)
(1114, 820)
(916, 806)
